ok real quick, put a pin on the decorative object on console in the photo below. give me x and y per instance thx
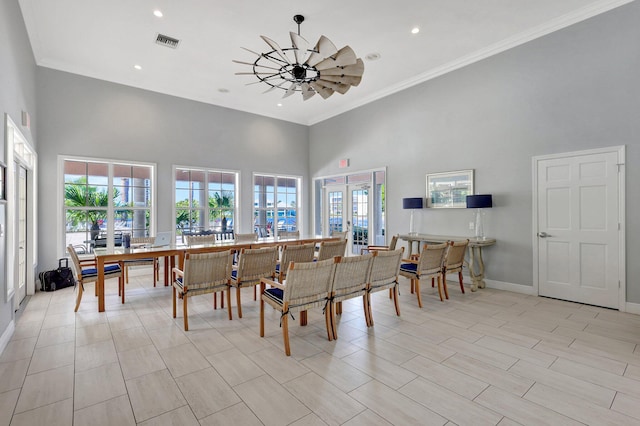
(479, 202)
(412, 204)
(322, 69)
(449, 189)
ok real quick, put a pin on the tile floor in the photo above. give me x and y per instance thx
(490, 357)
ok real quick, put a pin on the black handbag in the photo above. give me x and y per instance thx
(58, 278)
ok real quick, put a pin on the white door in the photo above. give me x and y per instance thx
(579, 227)
(347, 208)
(21, 232)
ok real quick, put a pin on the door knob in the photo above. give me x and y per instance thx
(543, 235)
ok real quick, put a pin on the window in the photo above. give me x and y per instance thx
(205, 200)
(103, 198)
(276, 204)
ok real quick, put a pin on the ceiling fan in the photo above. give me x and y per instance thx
(323, 69)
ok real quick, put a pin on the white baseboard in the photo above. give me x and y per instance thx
(501, 285)
(6, 336)
(632, 308)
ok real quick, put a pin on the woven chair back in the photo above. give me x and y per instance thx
(432, 258)
(289, 234)
(200, 239)
(246, 238)
(254, 264)
(295, 253)
(341, 234)
(309, 284)
(455, 257)
(385, 268)
(351, 277)
(330, 249)
(207, 270)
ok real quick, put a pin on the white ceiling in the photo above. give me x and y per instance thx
(105, 39)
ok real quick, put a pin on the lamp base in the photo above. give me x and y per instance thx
(479, 225)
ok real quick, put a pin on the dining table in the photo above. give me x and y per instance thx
(178, 251)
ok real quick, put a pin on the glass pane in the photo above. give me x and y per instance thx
(74, 170)
(97, 174)
(182, 179)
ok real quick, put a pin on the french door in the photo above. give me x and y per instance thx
(348, 209)
(579, 235)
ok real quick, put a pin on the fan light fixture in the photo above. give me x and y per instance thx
(323, 69)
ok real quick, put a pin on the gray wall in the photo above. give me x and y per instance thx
(17, 94)
(87, 117)
(572, 90)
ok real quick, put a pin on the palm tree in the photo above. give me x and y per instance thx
(79, 194)
(219, 205)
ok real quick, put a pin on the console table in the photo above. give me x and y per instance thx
(475, 263)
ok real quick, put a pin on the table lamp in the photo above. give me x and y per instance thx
(412, 204)
(479, 202)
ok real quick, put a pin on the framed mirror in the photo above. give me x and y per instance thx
(449, 189)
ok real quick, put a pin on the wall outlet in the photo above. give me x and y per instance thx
(472, 225)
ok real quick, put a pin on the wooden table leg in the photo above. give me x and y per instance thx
(100, 283)
(476, 268)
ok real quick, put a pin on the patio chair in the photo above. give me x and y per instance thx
(390, 247)
(289, 235)
(329, 249)
(385, 271)
(200, 239)
(86, 272)
(350, 280)
(308, 285)
(454, 263)
(253, 265)
(153, 261)
(430, 264)
(203, 273)
(246, 238)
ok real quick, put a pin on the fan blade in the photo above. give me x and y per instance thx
(254, 64)
(271, 88)
(290, 91)
(340, 88)
(275, 47)
(262, 80)
(324, 49)
(345, 56)
(355, 70)
(307, 91)
(301, 46)
(255, 73)
(264, 56)
(325, 92)
(344, 79)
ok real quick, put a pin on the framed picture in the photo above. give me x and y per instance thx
(449, 189)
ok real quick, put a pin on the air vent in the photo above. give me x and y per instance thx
(167, 41)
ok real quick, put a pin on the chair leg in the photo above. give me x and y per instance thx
(255, 293)
(413, 286)
(238, 301)
(79, 296)
(365, 307)
(329, 321)
(215, 300)
(121, 287)
(184, 312)
(334, 325)
(126, 275)
(440, 289)
(261, 312)
(395, 301)
(390, 293)
(285, 334)
(222, 299)
(444, 285)
(369, 310)
(338, 306)
(229, 303)
(460, 279)
(418, 293)
(174, 301)
(433, 282)
(304, 319)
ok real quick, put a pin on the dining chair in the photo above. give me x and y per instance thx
(246, 238)
(308, 285)
(454, 263)
(350, 280)
(329, 249)
(203, 273)
(289, 235)
(341, 234)
(153, 261)
(385, 271)
(200, 239)
(253, 264)
(390, 247)
(293, 253)
(86, 272)
(429, 264)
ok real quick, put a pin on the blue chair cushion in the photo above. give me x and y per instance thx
(274, 294)
(234, 274)
(108, 269)
(278, 267)
(409, 267)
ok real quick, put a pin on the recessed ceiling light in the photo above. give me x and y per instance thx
(158, 13)
(138, 67)
(279, 105)
(374, 56)
(415, 30)
(223, 90)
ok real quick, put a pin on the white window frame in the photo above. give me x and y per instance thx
(299, 199)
